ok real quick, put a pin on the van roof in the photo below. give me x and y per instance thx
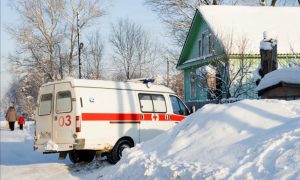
(137, 86)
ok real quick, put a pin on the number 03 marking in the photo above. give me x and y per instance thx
(65, 121)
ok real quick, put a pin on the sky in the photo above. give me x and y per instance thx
(134, 10)
(7, 44)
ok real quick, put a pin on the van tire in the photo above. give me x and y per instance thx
(77, 156)
(116, 153)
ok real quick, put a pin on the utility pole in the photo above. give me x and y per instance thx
(80, 45)
(168, 71)
(60, 63)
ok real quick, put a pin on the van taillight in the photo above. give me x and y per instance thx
(78, 124)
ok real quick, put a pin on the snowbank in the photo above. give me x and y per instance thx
(253, 139)
(286, 75)
(249, 139)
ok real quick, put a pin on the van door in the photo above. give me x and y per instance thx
(154, 112)
(43, 122)
(64, 114)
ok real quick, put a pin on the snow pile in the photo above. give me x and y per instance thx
(286, 75)
(249, 139)
(252, 139)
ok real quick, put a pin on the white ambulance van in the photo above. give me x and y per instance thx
(84, 118)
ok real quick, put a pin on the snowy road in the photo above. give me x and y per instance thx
(19, 161)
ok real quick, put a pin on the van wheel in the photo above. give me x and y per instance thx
(116, 153)
(81, 156)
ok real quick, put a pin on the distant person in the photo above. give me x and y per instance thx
(21, 121)
(11, 117)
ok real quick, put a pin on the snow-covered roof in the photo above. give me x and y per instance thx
(285, 75)
(238, 23)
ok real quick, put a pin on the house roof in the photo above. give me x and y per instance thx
(239, 24)
(285, 75)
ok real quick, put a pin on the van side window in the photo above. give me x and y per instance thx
(178, 106)
(45, 104)
(159, 103)
(146, 103)
(63, 102)
(152, 103)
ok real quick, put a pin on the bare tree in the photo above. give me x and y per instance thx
(178, 14)
(94, 57)
(22, 93)
(37, 34)
(87, 12)
(134, 54)
(230, 77)
(46, 26)
(46, 37)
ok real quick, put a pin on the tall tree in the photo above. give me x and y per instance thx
(178, 14)
(133, 51)
(47, 37)
(46, 26)
(94, 57)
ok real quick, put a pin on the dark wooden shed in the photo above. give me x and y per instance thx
(280, 84)
(281, 90)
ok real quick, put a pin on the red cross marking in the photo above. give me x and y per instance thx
(155, 117)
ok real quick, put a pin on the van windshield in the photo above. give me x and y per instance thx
(45, 104)
(178, 106)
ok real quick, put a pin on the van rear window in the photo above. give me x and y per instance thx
(45, 104)
(63, 102)
(152, 103)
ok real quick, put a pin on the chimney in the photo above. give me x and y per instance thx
(268, 53)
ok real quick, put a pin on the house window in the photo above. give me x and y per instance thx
(200, 47)
(193, 84)
(203, 44)
(210, 80)
(206, 44)
(210, 44)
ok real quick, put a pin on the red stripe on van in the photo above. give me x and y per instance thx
(109, 116)
(130, 117)
(177, 117)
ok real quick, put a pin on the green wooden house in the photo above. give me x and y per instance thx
(222, 49)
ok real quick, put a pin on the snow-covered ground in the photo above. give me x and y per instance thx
(250, 139)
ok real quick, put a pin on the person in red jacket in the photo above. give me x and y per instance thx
(21, 121)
